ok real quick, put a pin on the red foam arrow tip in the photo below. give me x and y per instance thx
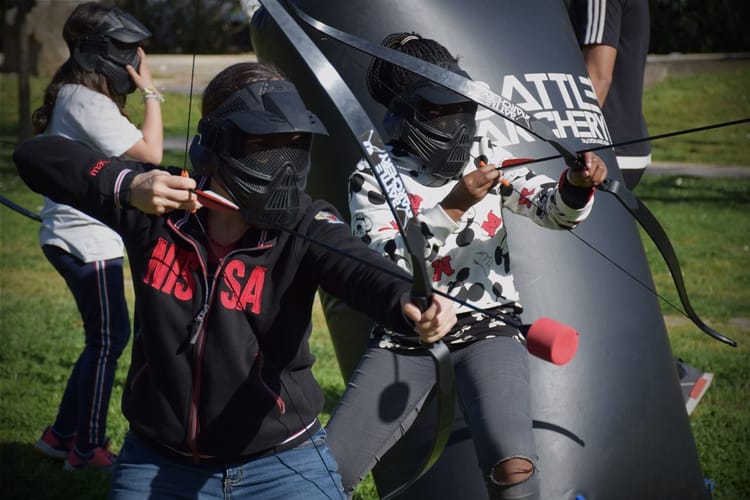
(552, 341)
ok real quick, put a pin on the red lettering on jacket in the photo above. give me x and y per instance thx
(244, 291)
(183, 267)
(170, 270)
(98, 167)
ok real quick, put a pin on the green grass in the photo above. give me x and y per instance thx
(708, 223)
(709, 226)
(685, 102)
(707, 220)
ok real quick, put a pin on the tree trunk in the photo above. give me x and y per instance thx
(25, 129)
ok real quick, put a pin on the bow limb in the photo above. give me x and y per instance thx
(444, 388)
(501, 106)
(655, 231)
(647, 221)
(475, 91)
(394, 191)
(650, 225)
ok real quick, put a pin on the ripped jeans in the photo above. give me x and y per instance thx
(388, 389)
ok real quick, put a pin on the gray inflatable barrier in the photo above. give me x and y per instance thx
(611, 424)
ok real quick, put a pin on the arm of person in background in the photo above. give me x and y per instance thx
(600, 64)
(150, 148)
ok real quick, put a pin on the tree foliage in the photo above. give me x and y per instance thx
(699, 26)
(192, 26)
(220, 26)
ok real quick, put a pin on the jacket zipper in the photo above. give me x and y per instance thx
(198, 339)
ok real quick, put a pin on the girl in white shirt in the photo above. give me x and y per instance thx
(85, 102)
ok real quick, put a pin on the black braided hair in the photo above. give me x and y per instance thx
(386, 81)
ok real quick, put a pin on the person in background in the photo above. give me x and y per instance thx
(220, 396)
(85, 102)
(459, 198)
(614, 38)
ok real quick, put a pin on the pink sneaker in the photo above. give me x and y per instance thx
(54, 447)
(98, 458)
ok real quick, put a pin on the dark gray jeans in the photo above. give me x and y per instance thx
(388, 389)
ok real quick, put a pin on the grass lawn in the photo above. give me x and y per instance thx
(707, 220)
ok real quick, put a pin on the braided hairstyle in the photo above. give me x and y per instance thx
(82, 21)
(442, 137)
(385, 81)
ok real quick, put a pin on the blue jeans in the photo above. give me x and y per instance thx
(306, 472)
(99, 292)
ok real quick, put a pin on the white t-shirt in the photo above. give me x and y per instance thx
(86, 116)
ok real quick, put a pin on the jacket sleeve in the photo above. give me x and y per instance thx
(550, 204)
(70, 172)
(356, 274)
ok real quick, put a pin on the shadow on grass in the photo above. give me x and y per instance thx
(26, 474)
(681, 189)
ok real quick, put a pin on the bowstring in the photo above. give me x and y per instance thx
(192, 83)
(702, 128)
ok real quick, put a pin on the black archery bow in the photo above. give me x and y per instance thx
(508, 110)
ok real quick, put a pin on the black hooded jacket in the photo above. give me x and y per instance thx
(221, 367)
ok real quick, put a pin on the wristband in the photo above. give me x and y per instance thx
(152, 93)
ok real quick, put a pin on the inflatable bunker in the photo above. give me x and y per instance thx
(609, 425)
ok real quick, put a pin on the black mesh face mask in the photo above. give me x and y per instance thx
(438, 126)
(112, 46)
(268, 181)
(443, 141)
(257, 145)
